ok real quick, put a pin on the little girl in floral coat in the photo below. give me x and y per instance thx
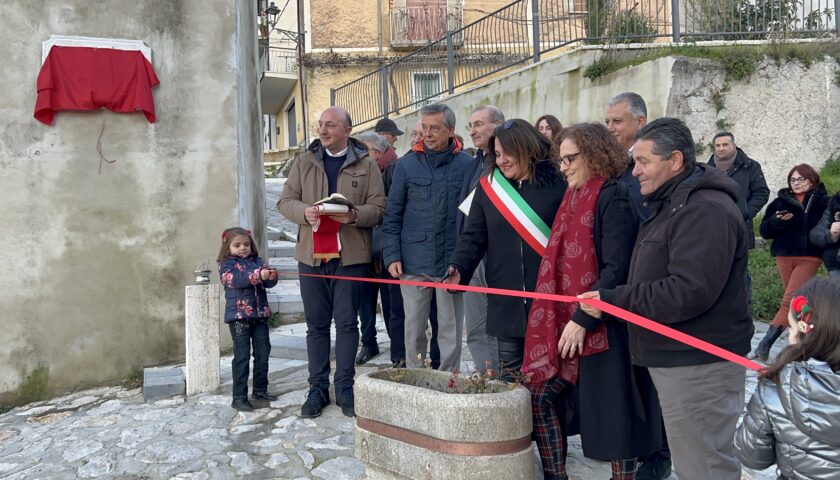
(245, 277)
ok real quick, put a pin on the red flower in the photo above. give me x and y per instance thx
(242, 306)
(227, 279)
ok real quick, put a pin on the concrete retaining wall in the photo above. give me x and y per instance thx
(782, 115)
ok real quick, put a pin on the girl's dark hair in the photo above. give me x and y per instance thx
(595, 143)
(227, 237)
(807, 172)
(520, 140)
(823, 341)
(553, 122)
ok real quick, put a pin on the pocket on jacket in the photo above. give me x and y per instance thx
(419, 189)
(412, 236)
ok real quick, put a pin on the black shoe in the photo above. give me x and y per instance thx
(762, 352)
(346, 402)
(658, 469)
(264, 396)
(366, 354)
(316, 400)
(242, 404)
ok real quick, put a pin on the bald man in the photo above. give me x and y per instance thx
(334, 163)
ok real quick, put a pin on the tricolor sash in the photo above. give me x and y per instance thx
(516, 211)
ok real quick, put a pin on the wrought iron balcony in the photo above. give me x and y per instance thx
(418, 26)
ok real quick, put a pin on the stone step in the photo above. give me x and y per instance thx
(293, 347)
(163, 382)
(285, 299)
(276, 234)
(280, 248)
(284, 265)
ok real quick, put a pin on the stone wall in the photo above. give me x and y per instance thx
(781, 116)
(96, 264)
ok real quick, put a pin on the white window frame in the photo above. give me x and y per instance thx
(414, 96)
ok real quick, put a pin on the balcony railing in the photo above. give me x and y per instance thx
(525, 29)
(416, 26)
(278, 60)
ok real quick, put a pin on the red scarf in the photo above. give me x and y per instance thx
(569, 267)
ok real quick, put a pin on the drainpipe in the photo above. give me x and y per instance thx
(379, 24)
(302, 72)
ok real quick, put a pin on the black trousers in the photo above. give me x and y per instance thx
(325, 300)
(246, 333)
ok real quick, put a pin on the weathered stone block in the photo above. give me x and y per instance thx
(163, 382)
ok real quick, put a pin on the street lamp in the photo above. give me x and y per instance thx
(271, 14)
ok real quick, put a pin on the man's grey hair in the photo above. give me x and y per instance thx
(376, 140)
(635, 103)
(493, 113)
(448, 114)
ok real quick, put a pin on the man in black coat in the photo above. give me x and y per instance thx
(729, 158)
(688, 271)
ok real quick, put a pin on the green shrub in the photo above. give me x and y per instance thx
(739, 63)
(600, 67)
(766, 285)
(628, 23)
(830, 174)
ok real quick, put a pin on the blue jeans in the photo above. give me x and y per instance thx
(246, 333)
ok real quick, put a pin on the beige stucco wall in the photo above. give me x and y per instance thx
(781, 116)
(344, 24)
(96, 264)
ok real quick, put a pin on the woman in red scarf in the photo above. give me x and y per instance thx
(569, 353)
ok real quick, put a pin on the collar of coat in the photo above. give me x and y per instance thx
(420, 148)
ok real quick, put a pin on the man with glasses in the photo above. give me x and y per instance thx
(689, 271)
(483, 347)
(419, 233)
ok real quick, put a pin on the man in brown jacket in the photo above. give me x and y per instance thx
(335, 163)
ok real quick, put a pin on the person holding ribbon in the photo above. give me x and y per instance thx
(791, 419)
(590, 247)
(508, 220)
(689, 272)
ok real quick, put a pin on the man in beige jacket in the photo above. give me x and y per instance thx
(335, 163)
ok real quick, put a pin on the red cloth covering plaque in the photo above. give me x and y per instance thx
(86, 78)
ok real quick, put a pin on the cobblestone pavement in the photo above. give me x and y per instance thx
(110, 433)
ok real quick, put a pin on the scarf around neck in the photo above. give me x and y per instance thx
(569, 267)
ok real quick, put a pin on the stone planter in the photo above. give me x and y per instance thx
(413, 429)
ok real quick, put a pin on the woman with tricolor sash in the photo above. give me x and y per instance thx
(508, 221)
(570, 354)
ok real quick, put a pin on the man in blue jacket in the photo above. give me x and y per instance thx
(419, 233)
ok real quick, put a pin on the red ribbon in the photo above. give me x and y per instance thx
(599, 304)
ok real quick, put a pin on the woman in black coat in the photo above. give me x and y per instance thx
(788, 221)
(617, 407)
(520, 162)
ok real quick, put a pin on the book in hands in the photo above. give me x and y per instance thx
(335, 204)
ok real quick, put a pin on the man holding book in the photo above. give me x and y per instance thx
(334, 193)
